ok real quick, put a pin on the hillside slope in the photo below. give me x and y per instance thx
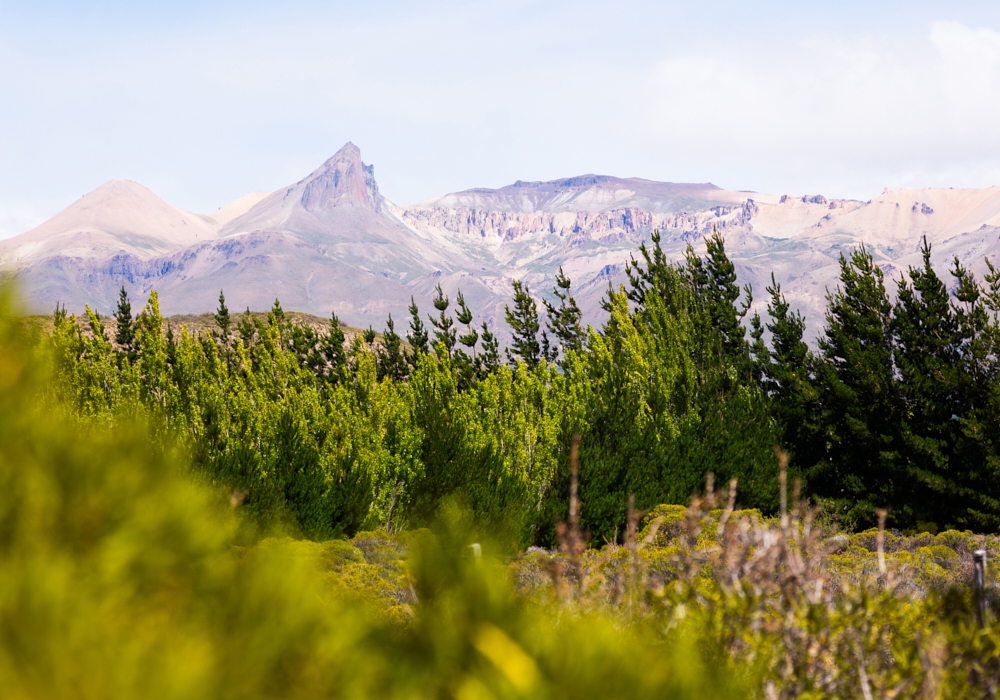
(333, 242)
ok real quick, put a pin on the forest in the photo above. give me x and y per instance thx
(896, 407)
(690, 500)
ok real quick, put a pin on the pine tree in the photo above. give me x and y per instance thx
(717, 291)
(444, 334)
(927, 355)
(334, 352)
(564, 320)
(464, 316)
(650, 273)
(488, 360)
(786, 376)
(723, 293)
(222, 318)
(368, 335)
(125, 332)
(276, 317)
(247, 327)
(979, 424)
(304, 343)
(523, 322)
(862, 467)
(59, 316)
(466, 364)
(417, 336)
(391, 360)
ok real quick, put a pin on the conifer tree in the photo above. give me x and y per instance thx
(928, 359)
(717, 291)
(464, 316)
(723, 293)
(59, 316)
(759, 352)
(417, 336)
(787, 378)
(488, 359)
(862, 468)
(247, 327)
(564, 320)
(222, 318)
(523, 322)
(334, 352)
(466, 364)
(368, 335)
(391, 360)
(444, 325)
(125, 332)
(276, 317)
(649, 273)
(304, 342)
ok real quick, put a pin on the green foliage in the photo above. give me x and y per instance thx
(899, 407)
(524, 326)
(417, 336)
(125, 331)
(121, 577)
(445, 334)
(564, 320)
(391, 359)
(322, 440)
(222, 318)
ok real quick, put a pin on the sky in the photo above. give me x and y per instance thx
(204, 101)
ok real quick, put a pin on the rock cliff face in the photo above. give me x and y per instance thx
(332, 242)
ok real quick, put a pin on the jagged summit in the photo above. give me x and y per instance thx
(340, 184)
(341, 181)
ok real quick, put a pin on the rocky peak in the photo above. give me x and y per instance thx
(342, 181)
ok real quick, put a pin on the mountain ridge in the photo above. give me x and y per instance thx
(332, 242)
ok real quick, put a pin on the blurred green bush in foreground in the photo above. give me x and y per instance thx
(121, 578)
(122, 575)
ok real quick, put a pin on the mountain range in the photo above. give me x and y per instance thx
(333, 242)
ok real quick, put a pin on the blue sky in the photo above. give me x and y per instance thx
(205, 101)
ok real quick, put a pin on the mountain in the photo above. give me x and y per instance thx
(333, 242)
(119, 216)
(328, 242)
(588, 193)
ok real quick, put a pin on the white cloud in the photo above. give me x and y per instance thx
(905, 110)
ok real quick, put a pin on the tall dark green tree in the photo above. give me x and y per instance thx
(222, 318)
(927, 353)
(125, 332)
(247, 327)
(715, 283)
(466, 363)
(445, 334)
(524, 326)
(863, 465)
(464, 316)
(564, 319)
(334, 352)
(417, 335)
(391, 359)
(650, 272)
(59, 315)
(488, 360)
(786, 376)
